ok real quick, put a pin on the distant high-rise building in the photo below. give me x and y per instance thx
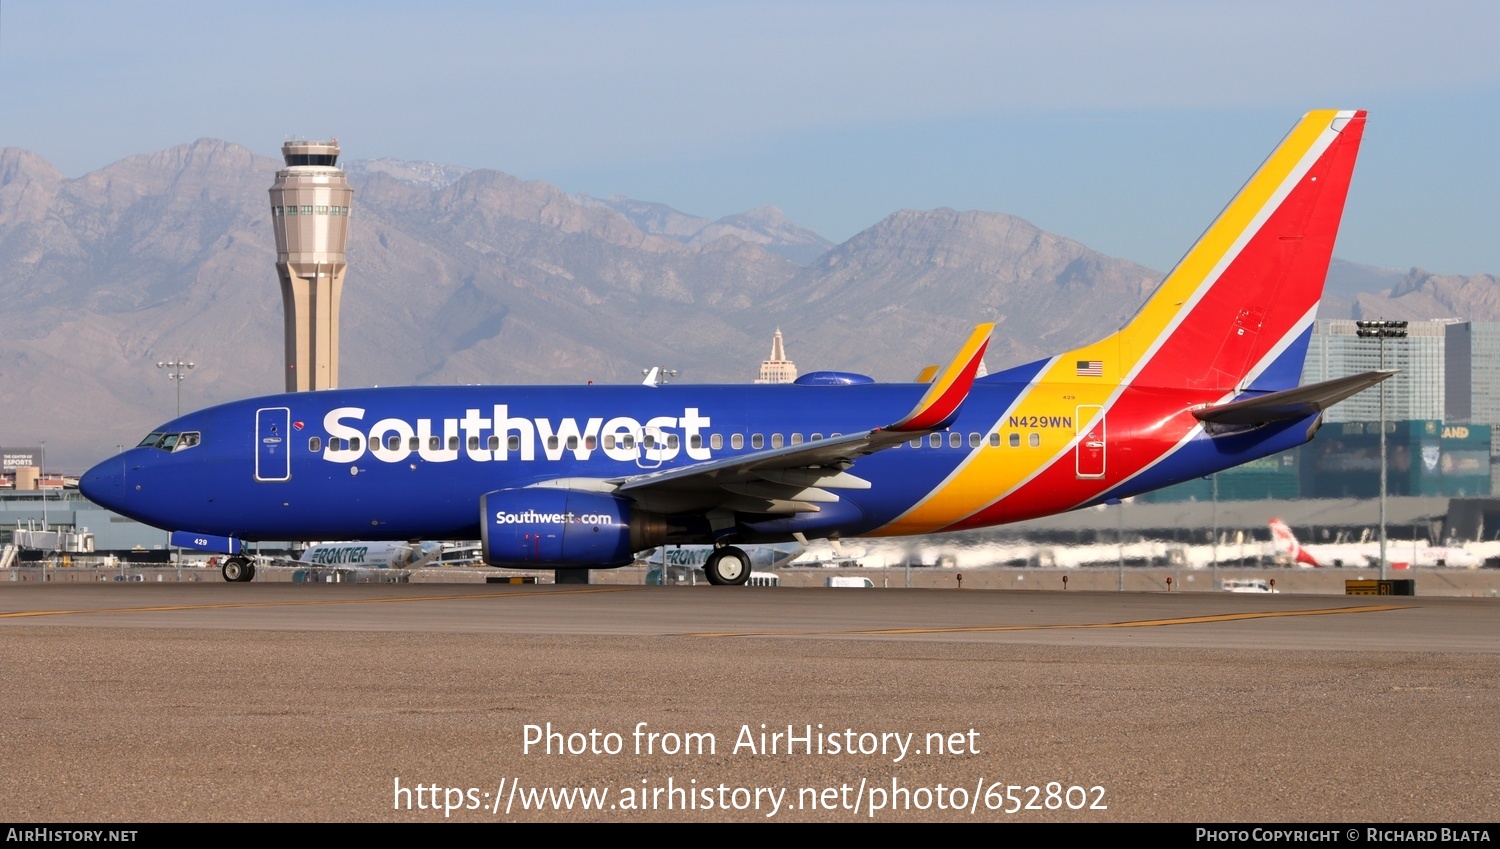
(1473, 354)
(310, 214)
(1473, 390)
(778, 369)
(1416, 392)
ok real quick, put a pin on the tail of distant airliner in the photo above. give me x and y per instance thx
(1285, 543)
(1237, 311)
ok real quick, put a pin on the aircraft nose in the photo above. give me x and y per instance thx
(104, 484)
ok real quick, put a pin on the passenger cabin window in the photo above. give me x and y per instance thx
(775, 440)
(915, 442)
(1015, 440)
(757, 441)
(935, 440)
(513, 443)
(955, 440)
(737, 441)
(314, 444)
(716, 441)
(975, 440)
(393, 443)
(1035, 439)
(494, 443)
(452, 443)
(994, 440)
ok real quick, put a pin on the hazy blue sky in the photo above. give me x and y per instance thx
(1124, 125)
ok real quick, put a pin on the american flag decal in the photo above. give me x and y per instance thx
(1090, 368)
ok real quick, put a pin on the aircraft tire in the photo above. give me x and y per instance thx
(727, 567)
(237, 570)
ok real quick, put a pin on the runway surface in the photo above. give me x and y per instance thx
(353, 702)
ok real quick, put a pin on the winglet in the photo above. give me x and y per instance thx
(950, 387)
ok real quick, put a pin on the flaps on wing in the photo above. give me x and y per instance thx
(1288, 404)
(775, 473)
(949, 389)
(798, 478)
(793, 479)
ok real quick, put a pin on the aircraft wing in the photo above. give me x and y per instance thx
(1296, 403)
(795, 478)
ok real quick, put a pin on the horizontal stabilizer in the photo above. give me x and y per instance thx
(1289, 404)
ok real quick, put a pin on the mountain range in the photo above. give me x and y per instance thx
(475, 276)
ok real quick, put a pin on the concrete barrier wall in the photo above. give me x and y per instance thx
(1430, 582)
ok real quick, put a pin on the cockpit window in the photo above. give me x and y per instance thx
(171, 441)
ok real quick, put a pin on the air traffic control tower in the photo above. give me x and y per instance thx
(310, 214)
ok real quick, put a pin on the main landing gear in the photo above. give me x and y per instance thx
(238, 570)
(727, 567)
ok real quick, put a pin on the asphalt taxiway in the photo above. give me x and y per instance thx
(361, 702)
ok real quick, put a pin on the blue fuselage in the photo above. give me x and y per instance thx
(413, 462)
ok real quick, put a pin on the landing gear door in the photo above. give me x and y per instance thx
(1090, 450)
(273, 444)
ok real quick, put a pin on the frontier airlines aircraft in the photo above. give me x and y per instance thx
(1202, 378)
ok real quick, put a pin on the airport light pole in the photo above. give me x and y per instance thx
(1382, 330)
(178, 373)
(1214, 566)
(1120, 544)
(42, 485)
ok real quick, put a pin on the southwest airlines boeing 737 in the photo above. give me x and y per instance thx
(1203, 377)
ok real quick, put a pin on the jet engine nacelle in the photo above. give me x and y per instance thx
(540, 527)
